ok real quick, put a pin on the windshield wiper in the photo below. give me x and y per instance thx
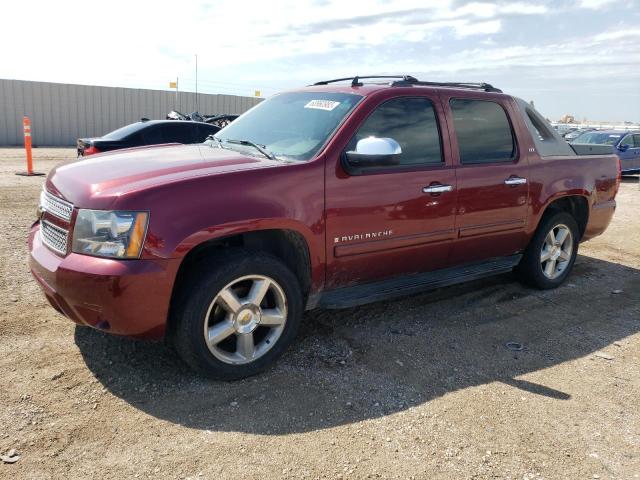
(260, 148)
(217, 140)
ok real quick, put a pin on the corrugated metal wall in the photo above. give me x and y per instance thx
(60, 113)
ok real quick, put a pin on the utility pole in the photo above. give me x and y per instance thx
(196, 82)
(177, 98)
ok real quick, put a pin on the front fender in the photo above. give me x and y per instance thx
(314, 240)
(187, 213)
(218, 232)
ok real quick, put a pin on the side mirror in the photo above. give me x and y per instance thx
(623, 148)
(374, 152)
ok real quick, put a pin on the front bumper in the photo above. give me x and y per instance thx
(123, 297)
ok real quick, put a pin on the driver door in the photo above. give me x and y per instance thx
(384, 221)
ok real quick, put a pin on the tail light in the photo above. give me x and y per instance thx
(90, 150)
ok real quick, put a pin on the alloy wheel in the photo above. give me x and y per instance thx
(556, 251)
(245, 319)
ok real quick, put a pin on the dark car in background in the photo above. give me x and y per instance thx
(626, 145)
(564, 129)
(147, 132)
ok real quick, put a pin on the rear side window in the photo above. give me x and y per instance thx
(179, 132)
(483, 131)
(153, 135)
(410, 121)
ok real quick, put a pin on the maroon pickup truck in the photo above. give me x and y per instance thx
(334, 195)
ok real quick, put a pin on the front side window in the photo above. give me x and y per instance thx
(628, 140)
(291, 126)
(410, 121)
(483, 131)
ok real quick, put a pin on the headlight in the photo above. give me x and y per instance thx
(116, 234)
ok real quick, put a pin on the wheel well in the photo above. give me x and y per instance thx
(575, 205)
(288, 246)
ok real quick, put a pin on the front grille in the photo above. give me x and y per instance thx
(54, 237)
(56, 206)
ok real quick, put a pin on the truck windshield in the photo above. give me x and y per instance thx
(292, 126)
(601, 138)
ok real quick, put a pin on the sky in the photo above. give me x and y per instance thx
(579, 57)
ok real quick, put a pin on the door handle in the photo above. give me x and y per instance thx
(515, 181)
(437, 188)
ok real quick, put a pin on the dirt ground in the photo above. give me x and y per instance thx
(419, 388)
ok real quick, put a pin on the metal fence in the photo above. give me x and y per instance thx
(60, 113)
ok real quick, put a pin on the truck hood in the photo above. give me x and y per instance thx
(95, 182)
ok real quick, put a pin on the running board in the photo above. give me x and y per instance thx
(397, 287)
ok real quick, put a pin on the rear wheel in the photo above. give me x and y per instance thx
(550, 256)
(237, 314)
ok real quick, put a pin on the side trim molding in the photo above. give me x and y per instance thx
(507, 226)
(393, 243)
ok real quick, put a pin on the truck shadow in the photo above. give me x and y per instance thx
(368, 362)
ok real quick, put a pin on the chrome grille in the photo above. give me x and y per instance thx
(56, 206)
(54, 237)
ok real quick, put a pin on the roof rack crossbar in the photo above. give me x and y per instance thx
(355, 81)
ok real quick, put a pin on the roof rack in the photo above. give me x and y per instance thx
(355, 81)
(487, 87)
(408, 80)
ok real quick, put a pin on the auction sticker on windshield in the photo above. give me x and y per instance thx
(322, 104)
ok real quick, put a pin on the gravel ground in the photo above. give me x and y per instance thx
(417, 388)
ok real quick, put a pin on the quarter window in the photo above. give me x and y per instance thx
(542, 130)
(483, 131)
(411, 122)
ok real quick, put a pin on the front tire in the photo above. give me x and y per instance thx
(550, 255)
(236, 314)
